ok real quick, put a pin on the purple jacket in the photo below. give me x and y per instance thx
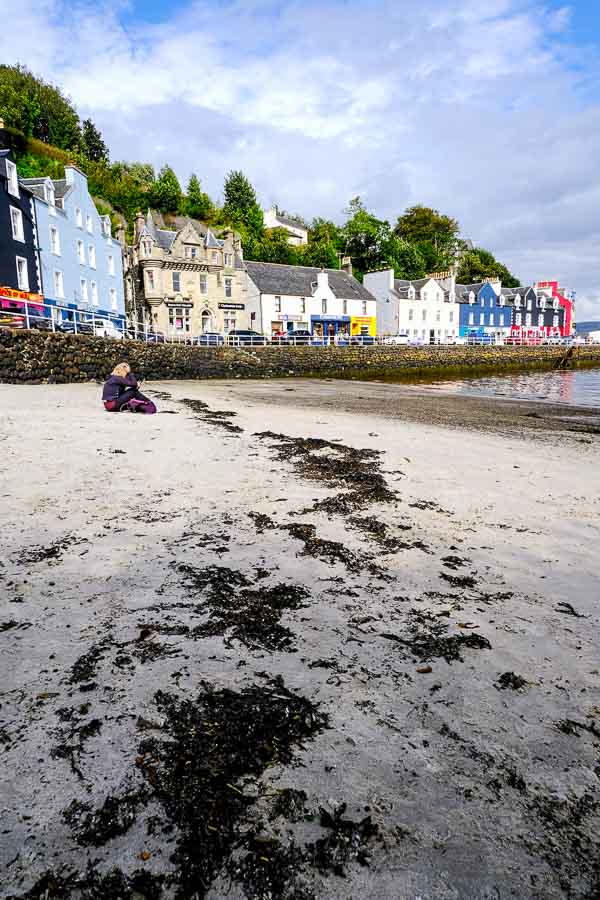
(114, 387)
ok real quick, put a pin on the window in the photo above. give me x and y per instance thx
(541, 320)
(528, 320)
(147, 247)
(13, 178)
(502, 300)
(424, 315)
(229, 324)
(503, 319)
(364, 307)
(49, 195)
(543, 303)
(150, 279)
(410, 315)
(323, 307)
(517, 300)
(555, 303)
(302, 304)
(278, 304)
(438, 315)
(518, 318)
(111, 264)
(491, 318)
(529, 303)
(78, 218)
(84, 290)
(471, 297)
(491, 301)
(179, 318)
(81, 252)
(451, 316)
(59, 288)
(203, 284)
(206, 322)
(16, 221)
(555, 321)
(228, 287)
(229, 260)
(113, 298)
(22, 274)
(88, 223)
(191, 252)
(94, 287)
(416, 332)
(54, 240)
(92, 256)
(344, 307)
(215, 256)
(471, 318)
(481, 318)
(176, 281)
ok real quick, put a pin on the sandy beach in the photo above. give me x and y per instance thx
(298, 639)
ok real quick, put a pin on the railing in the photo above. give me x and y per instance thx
(22, 314)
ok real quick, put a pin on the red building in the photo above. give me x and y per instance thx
(564, 302)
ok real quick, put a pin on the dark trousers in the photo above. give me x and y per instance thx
(125, 397)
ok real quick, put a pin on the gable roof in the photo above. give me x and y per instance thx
(291, 223)
(301, 281)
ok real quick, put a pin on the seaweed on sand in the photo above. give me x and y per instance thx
(113, 818)
(86, 666)
(357, 472)
(218, 417)
(73, 746)
(428, 638)
(196, 767)
(250, 614)
(50, 553)
(94, 885)
(268, 870)
(347, 841)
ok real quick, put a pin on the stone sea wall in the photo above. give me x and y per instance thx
(31, 356)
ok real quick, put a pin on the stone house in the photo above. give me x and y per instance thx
(425, 309)
(184, 281)
(327, 302)
(81, 263)
(297, 232)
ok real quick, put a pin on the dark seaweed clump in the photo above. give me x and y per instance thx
(268, 870)
(463, 581)
(219, 417)
(512, 681)
(86, 667)
(348, 841)
(93, 885)
(114, 817)
(247, 613)
(196, 770)
(378, 531)
(50, 553)
(72, 745)
(357, 472)
(429, 639)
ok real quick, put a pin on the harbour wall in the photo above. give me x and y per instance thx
(36, 357)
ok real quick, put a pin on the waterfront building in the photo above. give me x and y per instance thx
(566, 305)
(484, 310)
(426, 309)
(297, 232)
(19, 259)
(81, 263)
(329, 303)
(183, 280)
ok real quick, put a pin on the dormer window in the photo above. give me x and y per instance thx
(12, 178)
(49, 193)
(543, 303)
(471, 297)
(555, 303)
(517, 300)
(452, 297)
(502, 300)
(411, 293)
(191, 252)
(147, 248)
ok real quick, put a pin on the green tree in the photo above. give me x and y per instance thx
(276, 248)
(478, 264)
(38, 109)
(198, 205)
(92, 145)
(166, 192)
(406, 259)
(241, 206)
(364, 238)
(421, 223)
(324, 247)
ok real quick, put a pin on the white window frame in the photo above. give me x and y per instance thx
(277, 304)
(176, 275)
(518, 319)
(555, 321)
(84, 289)
(203, 283)
(411, 313)
(94, 289)
(364, 307)
(150, 279)
(482, 318)
(471, 318)
(113, 298)
(147, 248)
(59, 284)
(424, 315)
(451, 315)
(302, 304)
(16, 222)
(49, 195)
(78, 217)
(22, 273)
(228, 287)
(111, 264)
(323, 307)
(91, 256)
(89, 225)
(528, 320)
(12, 177)
(81, 252)
(55, 250)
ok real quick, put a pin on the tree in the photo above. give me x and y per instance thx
(477, 264)
(324, 248)
(421, 223)
(166, 192)
(241, 206)
(406, 259)
(276, 248)
(92, 144)
(198, 205)
(364, 237)
(38, 109)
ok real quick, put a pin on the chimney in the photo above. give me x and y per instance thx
(322, 281)
(346, 265)
(120, 234)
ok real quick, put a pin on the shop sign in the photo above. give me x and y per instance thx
(179, 303)
(232, 306)
(292, 318)
(13, 294)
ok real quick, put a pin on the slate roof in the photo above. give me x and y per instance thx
(60, 188)
(291, 223)
(301, 281)
(35, 185)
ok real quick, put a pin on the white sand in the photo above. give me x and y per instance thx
(438, 770)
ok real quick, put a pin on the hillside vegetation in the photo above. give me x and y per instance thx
(44, 130)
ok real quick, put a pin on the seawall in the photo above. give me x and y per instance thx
(31, 356)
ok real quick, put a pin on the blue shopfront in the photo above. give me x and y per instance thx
(330, 326)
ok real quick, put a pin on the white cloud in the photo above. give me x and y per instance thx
(476, 108)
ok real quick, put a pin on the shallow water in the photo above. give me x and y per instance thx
(579, 387)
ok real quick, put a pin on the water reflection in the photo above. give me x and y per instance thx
(577, 387)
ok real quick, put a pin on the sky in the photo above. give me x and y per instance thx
(488, 110)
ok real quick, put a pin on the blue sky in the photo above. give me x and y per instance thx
(488, 110)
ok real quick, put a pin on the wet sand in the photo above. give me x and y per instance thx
(260, 645)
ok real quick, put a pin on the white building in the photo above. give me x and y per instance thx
(296, 231)
(326, 302)
(426, 309)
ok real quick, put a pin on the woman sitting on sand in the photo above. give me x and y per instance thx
(121, 390)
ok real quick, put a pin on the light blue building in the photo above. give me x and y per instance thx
(81, 263)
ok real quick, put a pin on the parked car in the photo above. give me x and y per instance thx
(455, 341)
(209, 339)
(106, 328)
(363, 340)
(40, 323)
(402, 338)
(239, 337)
(68, 327)
(154, 337)
(295, 337)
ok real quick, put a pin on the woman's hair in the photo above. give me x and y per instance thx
(121, 370)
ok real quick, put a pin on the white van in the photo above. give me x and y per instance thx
(106, 328)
